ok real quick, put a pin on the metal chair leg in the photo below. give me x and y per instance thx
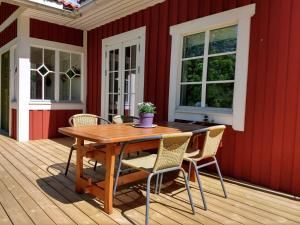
(95, 166)
(148, 199)
(189, 174)
(200, 186)
(160, 182)
(188, 190)
(156, 184)
(220, 176)
(118, 172)
(69, 160)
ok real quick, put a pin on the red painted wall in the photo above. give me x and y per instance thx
(267, 153)
(8, 34)
(53, 32)
(6, 10)
(14, 123)
(44, 124)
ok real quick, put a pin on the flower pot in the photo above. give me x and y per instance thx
(146, 119)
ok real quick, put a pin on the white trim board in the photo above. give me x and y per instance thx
(35, 105)
(11, 18)
(242, 18)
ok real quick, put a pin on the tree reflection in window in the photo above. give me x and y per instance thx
(215, 52)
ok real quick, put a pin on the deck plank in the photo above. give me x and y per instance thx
(4, 218)
(14, 210)
(32, 180)
(32, 209)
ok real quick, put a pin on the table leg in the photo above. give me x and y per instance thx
(79, 165)
(109, 178)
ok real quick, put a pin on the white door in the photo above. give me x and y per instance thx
(123, 78)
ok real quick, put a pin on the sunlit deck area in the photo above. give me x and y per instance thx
(34, 190)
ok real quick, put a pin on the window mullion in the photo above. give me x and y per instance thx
(204, 72)
(43, 82)
(56, 76)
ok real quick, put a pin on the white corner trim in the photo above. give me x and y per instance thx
(85, 70)
(242, 18)
(11, 18)
(23, 53)
(219, 19)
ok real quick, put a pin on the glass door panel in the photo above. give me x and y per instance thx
(5, 92)
(129, 90)
(113, 74)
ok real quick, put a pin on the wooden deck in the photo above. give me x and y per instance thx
(33, 190)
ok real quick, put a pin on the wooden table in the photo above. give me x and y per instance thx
(111, 135)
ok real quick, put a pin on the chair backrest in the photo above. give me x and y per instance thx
(118, 119)
(212, 141)
(80, 120)
(171, 150)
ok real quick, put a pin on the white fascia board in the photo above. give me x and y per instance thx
(55, 45)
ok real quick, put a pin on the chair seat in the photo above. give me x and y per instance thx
(192, 154)
(145, 163)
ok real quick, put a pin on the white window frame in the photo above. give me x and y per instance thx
(236, 116)
(56, 102)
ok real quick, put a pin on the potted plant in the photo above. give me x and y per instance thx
(146, 112)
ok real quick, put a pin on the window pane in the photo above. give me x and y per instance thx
(221, 68)
(111, 103)
(192, 70)
(116, 82)
(49, 59)
(190, 95)
(76, 63)
(193, 45)
(131, 84)
(116, 99)
(127, 58)
(49, 86)
(36, 57)
(116, 63)
(133, 57)
(64, 61)
(36, 85)
(64, 87)
(223, 40)
(219, 95)
(111, 82)
(75, 88)
(111, 60)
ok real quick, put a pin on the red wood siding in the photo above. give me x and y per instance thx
(14, 123)
(53, 32)
(267, 153)
(6, 10)
(44, 124)
(8, 34)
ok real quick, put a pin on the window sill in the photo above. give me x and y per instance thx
(222, 116)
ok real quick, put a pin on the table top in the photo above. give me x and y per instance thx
(115, 133)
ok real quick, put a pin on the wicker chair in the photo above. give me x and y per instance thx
(118, 119)
(194, 155)
(80, 120)
(169, 158)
